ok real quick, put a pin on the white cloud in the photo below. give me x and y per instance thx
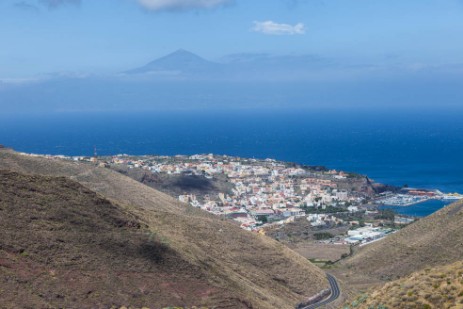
(181, 5)
(273, 28)
(58, 3)
(18, 81)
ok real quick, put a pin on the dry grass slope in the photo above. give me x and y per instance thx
(62, 245)
(258, 271)
(438, 288)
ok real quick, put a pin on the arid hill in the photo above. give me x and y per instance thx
(95, 231)
(440, 287)
(62, 245)
(432, 241)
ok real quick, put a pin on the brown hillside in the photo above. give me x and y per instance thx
(438, 288)
(64, 246)
(432, 241)
(254, 270)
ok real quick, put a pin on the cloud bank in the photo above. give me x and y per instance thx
(272, 28)
(58, 3)
(25, 6)
(181, 5)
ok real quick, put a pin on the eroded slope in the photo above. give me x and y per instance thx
(255, 270)
(62, 245)
(439, 287)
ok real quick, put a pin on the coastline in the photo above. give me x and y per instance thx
(402, 197)
(284, 136)
(419, 210)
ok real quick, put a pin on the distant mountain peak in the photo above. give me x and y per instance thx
(179, 61)
(182, 51)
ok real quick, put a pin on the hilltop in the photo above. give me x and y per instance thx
(440, 287)
(175, 185)
(188, 251)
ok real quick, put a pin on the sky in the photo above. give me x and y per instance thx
(87, 36)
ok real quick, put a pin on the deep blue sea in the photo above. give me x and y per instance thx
(421, 149)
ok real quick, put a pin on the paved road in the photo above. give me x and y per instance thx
(335, 293)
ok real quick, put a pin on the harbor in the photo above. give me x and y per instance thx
(419, 210)
(410, 196)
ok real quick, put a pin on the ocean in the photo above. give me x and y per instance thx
(420, 149)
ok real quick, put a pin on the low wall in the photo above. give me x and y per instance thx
(314, 299)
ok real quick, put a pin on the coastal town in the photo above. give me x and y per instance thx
(262, 193)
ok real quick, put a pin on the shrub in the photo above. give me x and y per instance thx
(323, 235)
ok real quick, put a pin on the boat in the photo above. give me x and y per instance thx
(453, 197)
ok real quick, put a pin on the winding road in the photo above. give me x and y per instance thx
(335, 293)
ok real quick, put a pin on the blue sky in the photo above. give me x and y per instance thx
(104, 36)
